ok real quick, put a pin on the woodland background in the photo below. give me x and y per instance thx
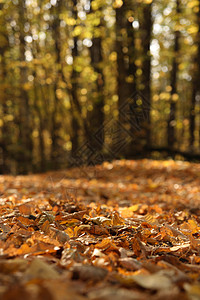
(84, 81)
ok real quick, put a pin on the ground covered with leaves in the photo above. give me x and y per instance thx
(123, 230)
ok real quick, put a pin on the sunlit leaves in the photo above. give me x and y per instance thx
(193, 3)
(117, 3)
(77, 31)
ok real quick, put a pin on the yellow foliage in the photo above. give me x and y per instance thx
(48, 81)
(193, 29)
(77, 31)
(117, 3)
(8, 118)
(138, 62)
(193, 3)
(168, 88)
(175, 97)
(130, 79)
(68, 147)
(113, 56)
(139, 72)
(155, 98)
(27, 86)
(179, 124)
(59, 93)
(196, 9)
(147, 1)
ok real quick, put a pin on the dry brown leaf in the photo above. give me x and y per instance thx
(38, 269)
(88, 273)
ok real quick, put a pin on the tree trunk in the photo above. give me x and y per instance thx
(4, 130)
(76, 107)
(96, 117)
(132, 68)
(25, 124)
(146, 29)
(122, 84)
(195, 86)
(74, 101)
(41, 128)
(174, 77)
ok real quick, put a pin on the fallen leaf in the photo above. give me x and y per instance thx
(38, 269)
(88, 273)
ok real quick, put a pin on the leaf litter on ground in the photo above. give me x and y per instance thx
(132, 231)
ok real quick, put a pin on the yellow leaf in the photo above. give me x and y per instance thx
(117, 220)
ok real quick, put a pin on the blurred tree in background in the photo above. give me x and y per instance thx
(97, 79)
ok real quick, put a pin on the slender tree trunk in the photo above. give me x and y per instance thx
(39, 97)
(174, 77)
(76, 107)
(122, 85)
(146, 29)
(74, 101)
(76, 110)
(132, 68)
(195, 86)
(41, 128)
(192, 115)
(55, 123)
(60, 76)
(5, 134)
(97, 115)
(25, 125)
(122, 74)
(5, 131)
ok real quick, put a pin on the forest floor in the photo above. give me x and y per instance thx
(125, 230)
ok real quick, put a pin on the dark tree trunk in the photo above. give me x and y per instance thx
(74, 101)
(195, 86)
(4, 130)
(174, 78)
(25, 121)
(41, 128)
(132, 57)
(76, 107)
(132, 68)
(146, 31)
(55, 125)
(96, 117)
(122, 85)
